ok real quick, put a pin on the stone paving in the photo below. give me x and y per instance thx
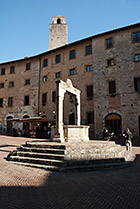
(30, 188)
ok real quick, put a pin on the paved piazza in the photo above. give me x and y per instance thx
(31, 188)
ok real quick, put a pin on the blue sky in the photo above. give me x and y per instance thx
(24, 24)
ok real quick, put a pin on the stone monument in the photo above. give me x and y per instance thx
(68, 132)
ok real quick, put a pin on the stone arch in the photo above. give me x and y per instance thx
(26, 116)
(62, 88)
(113, 122)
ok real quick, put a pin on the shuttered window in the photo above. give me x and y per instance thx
(90, 118)
(89, 92)
(137, 84)
(112, 87)
(44, 99)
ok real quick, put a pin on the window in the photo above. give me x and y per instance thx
(1, 102)
(58, 21)
(26, 100)
(90, 118)
(10, 101)
(88, 50)
(110, 62)
(1, 85)
(136, 37)
(2, 71)
(57, 58)
(44, 99)
(28, 66)
(72, 71)
(89, 92)
(137, 57)
(72, 54)
(45, 62)
(11, 84)
(89, 68)
(12, 69)
(58, 75)
(27, 81)
(54, 96)
(137, 84)
(44, 78)
(109, 43)
(112, 87)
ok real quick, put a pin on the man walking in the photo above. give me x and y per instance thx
(128, 139)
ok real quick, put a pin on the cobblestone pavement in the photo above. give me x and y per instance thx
(30, 188)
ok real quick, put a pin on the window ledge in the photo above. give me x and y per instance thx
(89, 98)
(112, 94)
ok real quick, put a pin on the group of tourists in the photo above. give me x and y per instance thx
(127, 136)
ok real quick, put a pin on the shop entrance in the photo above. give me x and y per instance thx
(113, 123)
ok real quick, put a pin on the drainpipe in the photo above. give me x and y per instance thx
(39, 85)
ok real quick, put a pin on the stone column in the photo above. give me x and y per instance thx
(59, 111)
(60, 118)
(78, 110)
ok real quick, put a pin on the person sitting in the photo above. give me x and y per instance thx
(106, 135)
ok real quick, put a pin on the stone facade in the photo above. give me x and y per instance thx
(125, 102)
(89, 70)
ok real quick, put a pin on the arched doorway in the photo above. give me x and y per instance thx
(113, 123)
(72, 119)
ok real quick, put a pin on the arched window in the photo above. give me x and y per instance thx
(58, 21)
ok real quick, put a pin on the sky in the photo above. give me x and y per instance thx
(24, 24)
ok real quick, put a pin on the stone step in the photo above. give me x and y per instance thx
(65, 163)
(46, 167)
(93, 162)
(129, 156)
(78, 168)
(37, 160)
(71, 156)
(50, 145)
(41, 150)
(40, 155)
(94, 167)
(96, 153)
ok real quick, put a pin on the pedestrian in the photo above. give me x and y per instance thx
(18, 132)
(128, 139)
(106, 135)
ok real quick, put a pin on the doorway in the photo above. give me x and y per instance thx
(9, 124)
(113, 123)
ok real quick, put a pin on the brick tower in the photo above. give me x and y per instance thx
(57, 32)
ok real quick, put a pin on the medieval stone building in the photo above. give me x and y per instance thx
(104, 67)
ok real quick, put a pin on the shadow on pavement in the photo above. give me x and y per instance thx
(81, 190)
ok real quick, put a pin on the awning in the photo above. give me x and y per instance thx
(31, 119)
